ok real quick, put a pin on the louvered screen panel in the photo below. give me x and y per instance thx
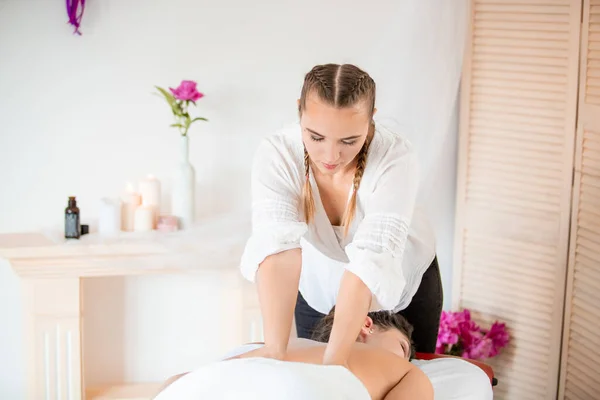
(518, 112)
(580, 372)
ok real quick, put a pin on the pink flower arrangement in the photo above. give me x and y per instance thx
(179, 99)
(187, 91)
(460, 336)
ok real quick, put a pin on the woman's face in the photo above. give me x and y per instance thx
(333, 136)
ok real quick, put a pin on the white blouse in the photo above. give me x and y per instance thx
(389, 244)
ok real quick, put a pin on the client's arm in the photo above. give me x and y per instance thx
(277, 280)
(413, 385)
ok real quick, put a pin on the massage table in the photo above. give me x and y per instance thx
(489, 371)
(452, 378)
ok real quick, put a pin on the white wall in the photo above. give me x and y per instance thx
(77, 117)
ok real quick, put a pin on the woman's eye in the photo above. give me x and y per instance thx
(350, 143)
(316, 139)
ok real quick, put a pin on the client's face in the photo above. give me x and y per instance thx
(390, 339)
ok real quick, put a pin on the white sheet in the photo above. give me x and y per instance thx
(455, 379)
(266, 379)
(258, 378)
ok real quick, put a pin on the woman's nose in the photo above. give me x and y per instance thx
(332, 154)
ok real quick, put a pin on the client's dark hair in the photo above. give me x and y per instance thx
(384, 320)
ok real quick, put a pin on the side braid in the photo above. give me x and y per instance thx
(361, 163)
(307, 194)
(319, 75)
(357, 89)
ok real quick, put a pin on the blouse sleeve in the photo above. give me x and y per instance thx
(275, 195)
(377, 250)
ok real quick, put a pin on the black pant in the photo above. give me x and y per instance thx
(423, 312)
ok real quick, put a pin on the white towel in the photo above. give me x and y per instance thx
(266, 379)
(258, 378)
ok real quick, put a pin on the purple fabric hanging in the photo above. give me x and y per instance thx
(75, 12)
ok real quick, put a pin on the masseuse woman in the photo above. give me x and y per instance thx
(334, 221)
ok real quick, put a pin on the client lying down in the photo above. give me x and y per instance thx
(378, 368)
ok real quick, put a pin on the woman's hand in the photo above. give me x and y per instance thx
(269, 352)
(352, 306)
(333, 360)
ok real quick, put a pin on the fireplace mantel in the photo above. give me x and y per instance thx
(51, 269)
(212, 244)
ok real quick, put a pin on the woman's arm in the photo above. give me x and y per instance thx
(277, 280)
(272, 256)
(352, 305)
(376, 252)
(414, 385)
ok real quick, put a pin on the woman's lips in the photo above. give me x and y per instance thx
(330, 166)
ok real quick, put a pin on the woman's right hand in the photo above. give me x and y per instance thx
(269, 352)
(264, 352)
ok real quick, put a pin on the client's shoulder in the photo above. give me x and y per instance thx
(380, 370)
(368, 354)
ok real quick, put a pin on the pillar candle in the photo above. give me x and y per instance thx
(131, 202)
(109, 222)
(150, 191)
(144, 219)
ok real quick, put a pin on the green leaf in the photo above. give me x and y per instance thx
(168, 96)
(175, 106)
(199, 119)
(177, 125)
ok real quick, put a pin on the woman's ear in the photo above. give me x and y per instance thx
(366, 330)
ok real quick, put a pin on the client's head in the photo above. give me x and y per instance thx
(381, 328)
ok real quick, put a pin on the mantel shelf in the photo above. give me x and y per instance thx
(211, 245)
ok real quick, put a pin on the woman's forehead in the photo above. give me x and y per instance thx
(336, 125)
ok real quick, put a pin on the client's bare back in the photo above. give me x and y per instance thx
(380, 371)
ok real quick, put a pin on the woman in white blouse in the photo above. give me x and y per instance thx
(334, 221)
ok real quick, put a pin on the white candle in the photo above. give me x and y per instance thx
(109, 222)
(132, 201)
(144, 219)
(150, 191)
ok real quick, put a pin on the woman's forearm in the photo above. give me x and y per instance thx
(352, 305)
(277, 282)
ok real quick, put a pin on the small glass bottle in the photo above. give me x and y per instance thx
(72, 222)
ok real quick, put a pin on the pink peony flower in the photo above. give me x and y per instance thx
(448, 334)
(186, 91)
(459, 335)
(479, 350)
(499, 337)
